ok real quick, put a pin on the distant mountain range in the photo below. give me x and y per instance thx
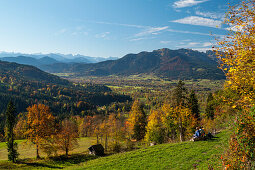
(172, 64)
(41, 59)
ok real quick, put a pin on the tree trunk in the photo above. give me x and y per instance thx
(181, 130)
(106, 142)
(66, 151)
(37, 152)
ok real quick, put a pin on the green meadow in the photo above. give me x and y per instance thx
(186, 155)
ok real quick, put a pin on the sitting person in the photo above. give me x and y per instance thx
(202, 131)
(197, 133)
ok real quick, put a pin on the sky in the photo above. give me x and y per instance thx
(104, 28)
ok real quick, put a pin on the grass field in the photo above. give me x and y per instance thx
(186, 155)
(27, 150)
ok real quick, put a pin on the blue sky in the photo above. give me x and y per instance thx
(103, 28)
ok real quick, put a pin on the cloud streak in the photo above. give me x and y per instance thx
(187, 3)
(102, 35)
(119, 24)
(151, 31)
(212, 15)
(200, 21)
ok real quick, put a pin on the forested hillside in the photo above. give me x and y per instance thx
(26, 85)
(173, 64)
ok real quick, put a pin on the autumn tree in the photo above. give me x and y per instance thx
(10, 123)
(236, 53)
(178, 119)
(155, 130)
(67, 136)
(20, 127)
(137, 121)
(116, 131)
(40, 125)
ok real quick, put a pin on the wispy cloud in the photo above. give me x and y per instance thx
(187, 3)
(102, 35)
(207, 44)
(75, 33)
(201, 49)
(165, 42)
(61, 31)
(195, 20)
(151, 31)
(120, 24)
(200, 46)
(212, 15)
(141, 38)
(188, 32)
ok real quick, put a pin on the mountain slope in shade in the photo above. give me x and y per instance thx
(28, 73)
(173, 64)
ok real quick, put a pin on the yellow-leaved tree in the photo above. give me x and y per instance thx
(137, 121)
(155, 130)
(40, 126)
(237, 55)
(178, 120)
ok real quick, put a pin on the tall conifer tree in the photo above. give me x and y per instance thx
(10, 123)
(193, 105)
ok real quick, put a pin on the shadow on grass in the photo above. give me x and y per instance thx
(73, 159)
(57, 162)
(41, 165)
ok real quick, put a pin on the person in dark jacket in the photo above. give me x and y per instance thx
(197, 133)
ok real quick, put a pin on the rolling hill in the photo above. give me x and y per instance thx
(28, 73)
(173, 64)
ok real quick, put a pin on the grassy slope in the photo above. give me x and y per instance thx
(186, 155)
(28, 151)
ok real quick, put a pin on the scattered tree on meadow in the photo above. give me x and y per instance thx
(10, 123)
(40, 125)
(67, 136)
(137, 121)
(236, 53)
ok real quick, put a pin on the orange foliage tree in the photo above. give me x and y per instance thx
(67, 136)
(40, 125)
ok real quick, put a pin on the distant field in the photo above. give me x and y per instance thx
(186, 155)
